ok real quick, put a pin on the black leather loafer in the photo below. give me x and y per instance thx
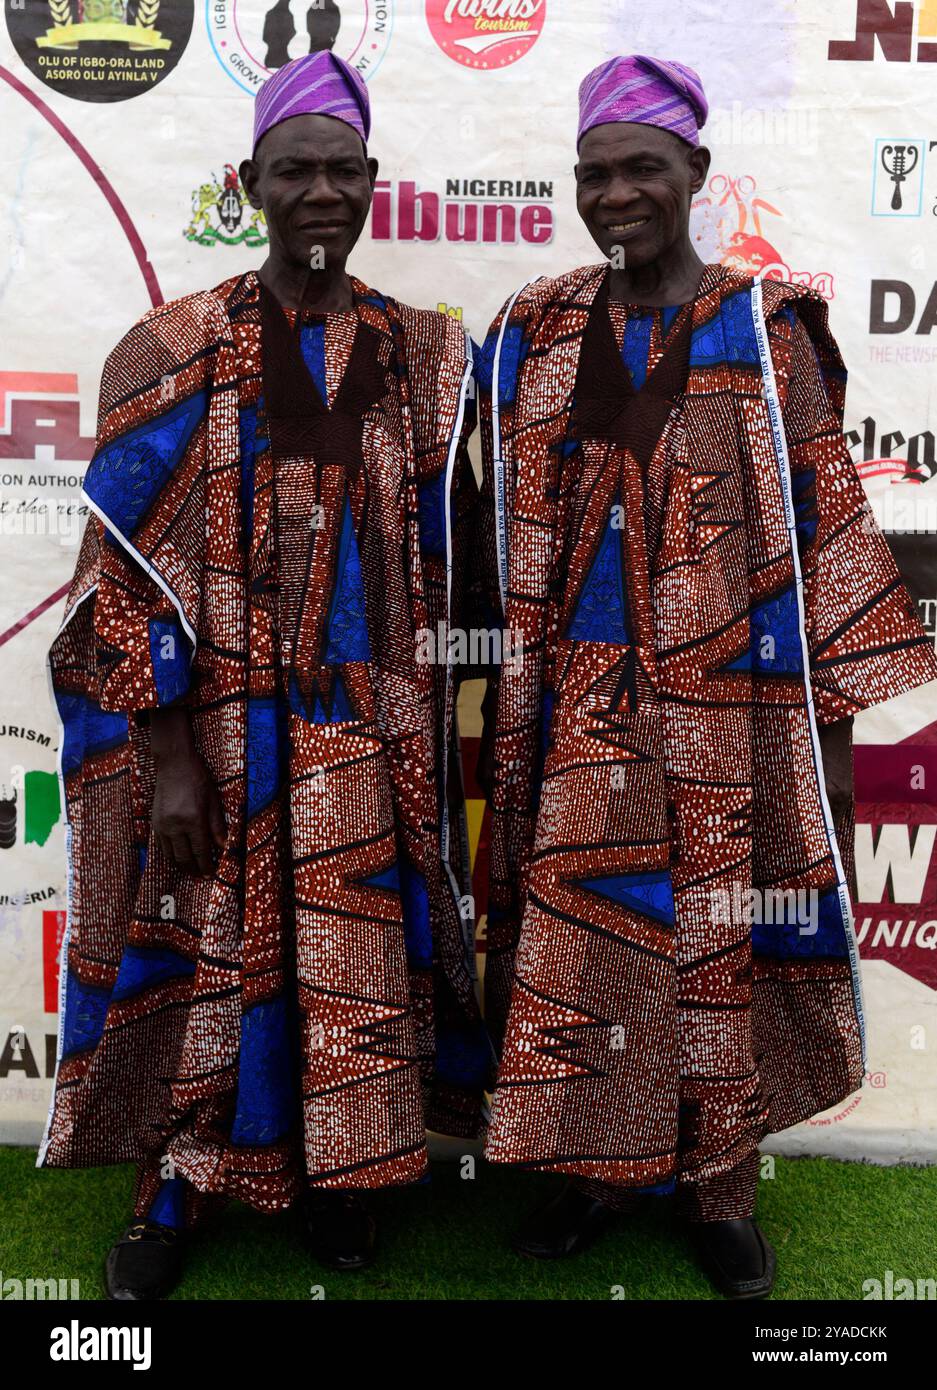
(565, 1224)
(736, 1257)
(342, 1230)
(145, 1264)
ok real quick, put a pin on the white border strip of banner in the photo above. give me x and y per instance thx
(779, 442)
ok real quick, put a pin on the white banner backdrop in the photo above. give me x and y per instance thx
(124, 124)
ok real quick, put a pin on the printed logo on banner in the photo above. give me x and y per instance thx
(100, 50)
(898, 177)
(896, 783)
(730, 217)
(880, 453)
(896, 912)
(873, 1080)
(53, 932)
(39, 419)
(895, 306)
(486, 33)
(252, 38)
(40, 428)
(30, 805)
(222, 214)
(887, 31)
(20, 1056)
(480, 212)
(30, 920)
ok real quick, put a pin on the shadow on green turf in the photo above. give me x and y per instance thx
(833, 1225)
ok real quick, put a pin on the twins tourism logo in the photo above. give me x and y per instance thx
(486, 33)
(252, 38)
(100, 50)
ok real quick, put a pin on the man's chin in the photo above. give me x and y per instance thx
(631, 255)
(329, 254)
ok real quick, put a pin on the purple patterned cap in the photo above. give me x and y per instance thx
(649, 91)
(319, 84)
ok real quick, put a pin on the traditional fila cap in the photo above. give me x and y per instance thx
(649, 91)
(319, 84)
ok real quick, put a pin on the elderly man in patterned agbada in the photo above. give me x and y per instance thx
(676, 537)
(268, 975)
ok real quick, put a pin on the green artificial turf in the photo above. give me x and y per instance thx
(833, 1225)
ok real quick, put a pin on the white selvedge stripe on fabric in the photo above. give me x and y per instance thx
(146, 566)
(468, 924)
(779, 442)
(501, 534)
(69, 885)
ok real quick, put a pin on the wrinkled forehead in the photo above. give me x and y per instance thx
(309, 138)
(621, 141)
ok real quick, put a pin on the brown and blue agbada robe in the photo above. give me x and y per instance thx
(693, 578)
(279, 509)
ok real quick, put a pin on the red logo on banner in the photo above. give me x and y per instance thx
(41, 408)
(53, 929)
(486, 33)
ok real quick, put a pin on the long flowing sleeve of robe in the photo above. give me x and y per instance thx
(672, 970)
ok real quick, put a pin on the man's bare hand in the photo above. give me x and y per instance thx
(836, 751)
(188, 814)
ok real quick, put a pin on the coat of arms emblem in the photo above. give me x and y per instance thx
(218, 214)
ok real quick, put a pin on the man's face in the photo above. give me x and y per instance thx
(634, 186)
(311, 177)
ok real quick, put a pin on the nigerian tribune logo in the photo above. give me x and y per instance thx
(486, 33)
(253, 38)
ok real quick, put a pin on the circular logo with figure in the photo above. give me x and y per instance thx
(252, 38)
(486, 33)
(100, 50)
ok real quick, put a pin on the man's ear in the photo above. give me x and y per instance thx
(372, 172)
(249, 174)
(699, 160)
